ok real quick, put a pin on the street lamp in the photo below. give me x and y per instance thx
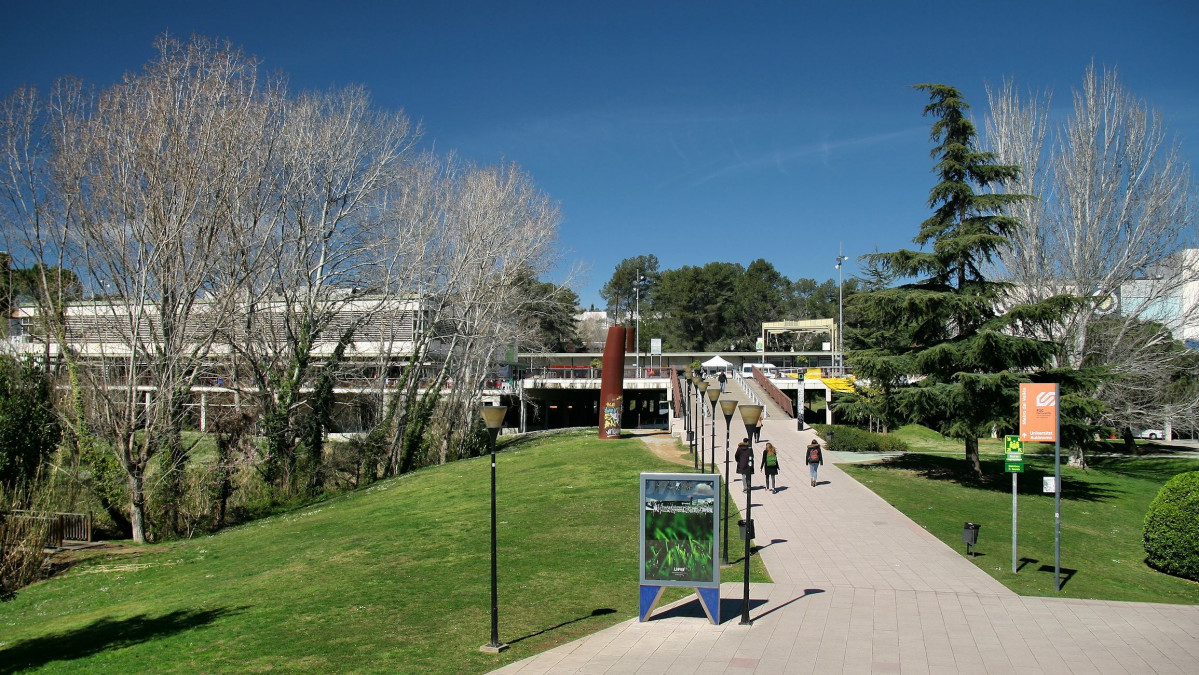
(637, 329)
(840, 316)
(728, 407)
(699, 401)
(493, 418)
(694, 379)
(713, 394)
(749, 415)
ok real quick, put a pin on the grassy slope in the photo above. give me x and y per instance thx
(1103, 513)
(391, 579)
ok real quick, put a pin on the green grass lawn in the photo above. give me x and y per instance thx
(1103, 513)
(394, 578)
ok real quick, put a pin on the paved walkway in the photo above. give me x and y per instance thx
(860, 588)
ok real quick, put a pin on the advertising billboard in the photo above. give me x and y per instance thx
(680, 516)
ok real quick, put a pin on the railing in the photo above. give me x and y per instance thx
(61, 526)
(748, 392)
(775, 394)
(677, 391)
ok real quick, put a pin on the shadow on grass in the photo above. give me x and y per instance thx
(103, 635)
(595, 612)
(1066, 573)
(995, 478)
(1156, 469)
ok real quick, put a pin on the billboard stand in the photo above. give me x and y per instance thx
(709, 599)
(680, 516)
(650, 595)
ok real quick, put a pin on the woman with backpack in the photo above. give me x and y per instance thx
(814, 459)
(770, 466)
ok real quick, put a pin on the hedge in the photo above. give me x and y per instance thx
(853, 439)
(1172, 527)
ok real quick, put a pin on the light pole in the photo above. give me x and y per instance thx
(840, 316)
(749, 415)
(713, 394)
(699, 401)
(493, 418)
(728, 407)
(637, 329)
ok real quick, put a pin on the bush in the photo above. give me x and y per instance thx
(853, 439)
(1172, 527)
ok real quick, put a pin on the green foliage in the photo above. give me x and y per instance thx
(29, 430)
(547, 314)
(1171, 536)
(631, 274)
(840, 438)
(937, 350)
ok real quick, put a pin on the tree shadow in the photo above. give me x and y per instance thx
(103, 635)
(595, 612)
(1156, 469)
(995, 478)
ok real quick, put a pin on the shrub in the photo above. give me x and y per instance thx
(853, 439)
(1172, 527)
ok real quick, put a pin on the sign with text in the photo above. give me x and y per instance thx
(655, 346)
(1038, 412)
(1014, 454)
(679, 517)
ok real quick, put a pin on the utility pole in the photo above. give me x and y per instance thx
(840, 346)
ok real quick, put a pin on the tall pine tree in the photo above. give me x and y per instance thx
(940, 350)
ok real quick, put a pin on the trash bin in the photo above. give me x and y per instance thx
(970, 536)
(741, 526)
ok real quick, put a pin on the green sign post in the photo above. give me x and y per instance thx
(1013, 464)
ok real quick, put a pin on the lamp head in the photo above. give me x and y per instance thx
(713, 394)
(728, 407)
(750, 414)
(493, 416)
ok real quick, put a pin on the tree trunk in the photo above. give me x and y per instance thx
(137, 505)
(972, 456)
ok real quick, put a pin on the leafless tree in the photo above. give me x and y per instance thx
(1112, 222)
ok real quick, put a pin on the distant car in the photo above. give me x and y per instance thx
(1153, 434)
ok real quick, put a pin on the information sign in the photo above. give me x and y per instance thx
(1014, 454)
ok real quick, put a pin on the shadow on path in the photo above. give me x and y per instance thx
(103, 635)
(730, 610)
(595, 612)
(806, 593)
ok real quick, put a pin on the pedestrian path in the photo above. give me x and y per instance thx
(859, 588)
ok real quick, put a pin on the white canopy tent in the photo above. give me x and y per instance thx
(717, 363)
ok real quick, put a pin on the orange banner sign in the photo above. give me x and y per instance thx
(1038, 413)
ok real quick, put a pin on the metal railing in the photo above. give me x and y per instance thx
(60, 526)
(775, 394)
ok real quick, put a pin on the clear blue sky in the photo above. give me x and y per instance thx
(696, 131)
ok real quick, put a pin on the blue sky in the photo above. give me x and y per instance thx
(696, 131)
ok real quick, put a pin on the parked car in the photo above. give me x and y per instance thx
(1153, 434)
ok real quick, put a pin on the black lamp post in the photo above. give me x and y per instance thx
(703, 390)
(713, 394)
(493, 417)
(749, 415)
(728, 407)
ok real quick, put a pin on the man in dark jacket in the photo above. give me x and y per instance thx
(745, 463)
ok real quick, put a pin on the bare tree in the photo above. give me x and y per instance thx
(1111, 224)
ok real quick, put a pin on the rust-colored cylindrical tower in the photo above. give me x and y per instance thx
(612, 383)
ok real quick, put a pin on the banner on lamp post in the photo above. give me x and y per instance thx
(1038, 412)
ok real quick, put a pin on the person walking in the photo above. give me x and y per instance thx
(745, 463)
(770, 467)
(758, 430)
(722, 379)
(814, 459)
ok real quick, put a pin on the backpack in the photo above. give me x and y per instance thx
(813, 454)
(772, 460)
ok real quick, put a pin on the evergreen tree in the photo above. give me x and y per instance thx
(940, 350)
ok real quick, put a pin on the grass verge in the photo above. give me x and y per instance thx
(394, 578)
(1103, 514)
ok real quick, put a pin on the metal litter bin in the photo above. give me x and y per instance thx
(741, 526)
(970, 537)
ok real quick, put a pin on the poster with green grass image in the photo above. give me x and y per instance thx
(679, 519)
